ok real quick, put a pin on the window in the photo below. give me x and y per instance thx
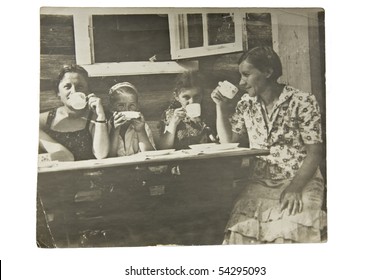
(202, 34)
(129, 41)
(123, 38)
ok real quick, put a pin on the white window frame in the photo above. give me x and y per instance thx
(176, 38)
(83, 35)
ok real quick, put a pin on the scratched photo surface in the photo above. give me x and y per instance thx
(125, 179)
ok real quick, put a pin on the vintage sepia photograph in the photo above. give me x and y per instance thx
(181, 127)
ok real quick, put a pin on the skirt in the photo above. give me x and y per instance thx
(257, 219)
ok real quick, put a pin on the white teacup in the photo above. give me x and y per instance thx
(193, 110)
(227, 89)
(129, 115)
(78, 100)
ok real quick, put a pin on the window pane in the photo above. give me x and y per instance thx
(195, 30)
(120, 38)
(220, 28)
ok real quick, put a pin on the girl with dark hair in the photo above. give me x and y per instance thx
(78, 129)
(178, 129)
(283, 199)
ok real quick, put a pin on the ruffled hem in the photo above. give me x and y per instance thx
(274, 227)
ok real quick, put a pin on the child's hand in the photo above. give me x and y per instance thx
(119, 119)
(178, 115)
(138, 124)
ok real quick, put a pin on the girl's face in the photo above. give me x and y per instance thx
(125, 102)
(188, 96)
(253, 81)
(71, 83)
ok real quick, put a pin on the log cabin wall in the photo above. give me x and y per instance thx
(57, 49)
(291, 34)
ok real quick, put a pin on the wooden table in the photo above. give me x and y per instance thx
(137, 200)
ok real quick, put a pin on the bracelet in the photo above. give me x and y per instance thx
(105, 121)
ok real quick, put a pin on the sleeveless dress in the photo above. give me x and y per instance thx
(79, 142)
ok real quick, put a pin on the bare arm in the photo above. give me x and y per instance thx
(114, 139)
(56, 150)
(100, 140)
(118, 121)
(144, 143)
(167, 139)
(224, 128)
(99, 131)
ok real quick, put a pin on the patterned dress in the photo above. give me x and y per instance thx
(79, 142)
(188, 132)
(293, 122)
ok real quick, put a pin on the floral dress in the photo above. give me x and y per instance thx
(188, 132)
(293, 122)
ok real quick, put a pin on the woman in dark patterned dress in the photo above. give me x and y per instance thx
(73, 132)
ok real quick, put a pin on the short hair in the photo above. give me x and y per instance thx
(189, 79)
(264, 58)
(72, 68)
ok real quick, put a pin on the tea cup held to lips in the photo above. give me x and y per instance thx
(129, 115)
(193, 110)
(77, 100)
(227, 89)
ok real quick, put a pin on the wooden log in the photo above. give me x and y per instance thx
(51, 64)
(57, 35)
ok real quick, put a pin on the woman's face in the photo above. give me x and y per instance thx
(188, 96)
(253, 81)
(71, 83)
(125, 102)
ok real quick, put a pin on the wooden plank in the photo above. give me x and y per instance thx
(291, 41)
(51, 19)
(139, 68)
(57, 40)
(190, 210)
(317, 59)
(48, 100)
(57, 35)
(141, 160)
(83, 38)
(51, 64)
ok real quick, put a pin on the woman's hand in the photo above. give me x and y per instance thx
(178, 115)
(119, 119)
(95, 103)
(292, 201)
(138, 124)
(218, 98)
(291, 198)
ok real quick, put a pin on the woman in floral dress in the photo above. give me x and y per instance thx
(282, 201)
